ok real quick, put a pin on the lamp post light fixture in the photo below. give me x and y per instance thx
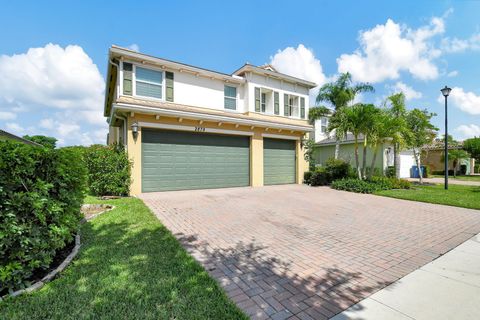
(446, 91)
(134, 127)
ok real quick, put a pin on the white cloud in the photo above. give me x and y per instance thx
(468, 131)
(6, 115)
(53, 77)
(408, 91)
(15, 128)
(452, 74)
(466, 101)
(47, 123)
(62, 84)
(455, 45)
(299, 62)
(134, 47)
(391, 48)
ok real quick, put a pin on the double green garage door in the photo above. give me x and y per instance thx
(177, 160)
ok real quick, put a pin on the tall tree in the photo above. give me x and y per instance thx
(472, 146)
(45, 141)
(338, 94)
(398, 111)
(422, 132)
(368, 121)
(382, 131)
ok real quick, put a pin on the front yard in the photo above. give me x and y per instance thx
(129, 267)
(457, 195)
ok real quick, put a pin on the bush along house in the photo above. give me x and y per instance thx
(186, 127)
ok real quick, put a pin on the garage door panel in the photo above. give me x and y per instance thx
(279, 158)
(174, 160)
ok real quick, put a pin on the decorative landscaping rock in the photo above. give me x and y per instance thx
(91, 211)
(52, 274)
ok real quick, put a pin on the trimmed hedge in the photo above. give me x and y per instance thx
(108, 170)
(334, 169)
(370, 186)
(41, 191)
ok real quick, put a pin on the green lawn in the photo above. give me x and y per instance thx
(462, 178)
(129, 267)
(456, 195)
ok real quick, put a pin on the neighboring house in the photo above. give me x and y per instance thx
(186, 127)
(4, 135)
(325, 149)
(432, 156)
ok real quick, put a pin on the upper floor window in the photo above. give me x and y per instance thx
(323, 124)
(148, 83)
(230, 99)
(290, 105)
(264, 102)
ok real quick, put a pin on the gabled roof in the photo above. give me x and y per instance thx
(274, 74)
(347, 140)
(11, 136)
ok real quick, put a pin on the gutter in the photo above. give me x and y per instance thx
(207, 117)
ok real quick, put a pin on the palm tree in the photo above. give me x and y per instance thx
(338, 94)
(382, 131)
(399, 131)
(456, 156)
(368, 121)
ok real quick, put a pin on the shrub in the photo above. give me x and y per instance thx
(337, 169)
(355, 185)
(108, 170)
(320, 178)
(370, 186)
(386, 183)
(307, 176)
(390, 172)
(41, 191)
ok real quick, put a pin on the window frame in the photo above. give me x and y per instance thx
(231, 98)
(134, 85)
(263, 102)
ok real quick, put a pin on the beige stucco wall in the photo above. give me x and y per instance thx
(134, 146)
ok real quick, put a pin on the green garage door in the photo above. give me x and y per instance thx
(176, 160)
(279, 161)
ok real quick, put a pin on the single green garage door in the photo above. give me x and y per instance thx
(279, 161)
(177, 160)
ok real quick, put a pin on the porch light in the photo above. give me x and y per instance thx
(134, 127)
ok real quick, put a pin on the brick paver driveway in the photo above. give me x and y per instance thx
(299, 252)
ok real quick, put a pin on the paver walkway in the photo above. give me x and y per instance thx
(307, 253)
(450, 181)
(446, 288)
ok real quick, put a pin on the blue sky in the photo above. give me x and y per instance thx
(53, 56)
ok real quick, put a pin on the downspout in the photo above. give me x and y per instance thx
(124, 133)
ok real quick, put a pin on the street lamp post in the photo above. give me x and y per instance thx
(446, 91)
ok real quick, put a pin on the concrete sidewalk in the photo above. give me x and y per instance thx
(446, 288)
(450, 181)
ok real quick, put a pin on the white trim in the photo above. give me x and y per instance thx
(199, 116)
(193, 128)
(279, 136)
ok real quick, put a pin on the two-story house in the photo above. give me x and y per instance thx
(186, 127)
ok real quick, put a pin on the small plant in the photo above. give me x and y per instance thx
(337, 169)
(307, 177)
(390, 172)
(320, 177)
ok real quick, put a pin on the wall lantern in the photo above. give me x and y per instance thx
(134, 127)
